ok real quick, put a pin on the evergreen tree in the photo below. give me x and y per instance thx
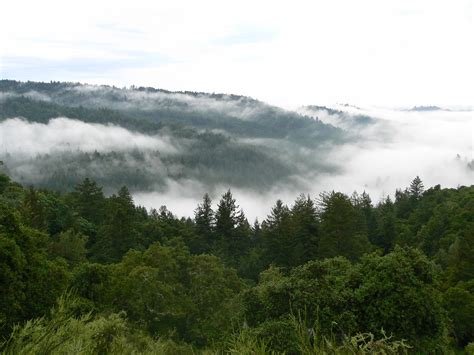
(119, 233)
(226, 215)
(343, 228)
(387, 228)
(33, 210)
(277, 235)
(305, 231)
(204, 220)
(364, 203)
(89, 201)
(416, 188)
(232, 229)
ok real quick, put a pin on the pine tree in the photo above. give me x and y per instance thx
(226, 215)
(416, 188)
(119, 232)
(343, 227)
(304, 231)
(204, 216)
(387, 228)
(89, 201)
(204, 220)
(232, 229)
(277, 236)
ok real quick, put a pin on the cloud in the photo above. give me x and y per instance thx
(246, 35)
(400, 146)
(21, 138)
(386, 156)
(383, 156)
(390, 52)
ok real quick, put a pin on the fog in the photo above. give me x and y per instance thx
(132, 99)
(435, 145)
(385, 154)
(22, 138)
(153, 100)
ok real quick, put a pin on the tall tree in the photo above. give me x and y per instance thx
(387, 225)
(226, 215)
(343, 227)
(33, 210)
(305, 231)
(232, 229)
(277, 235)
(416, 188)
(119, 233)
(89, 201)
(205, 220)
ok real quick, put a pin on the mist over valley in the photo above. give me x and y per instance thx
(170, 148)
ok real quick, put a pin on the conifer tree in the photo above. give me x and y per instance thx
(416, 188)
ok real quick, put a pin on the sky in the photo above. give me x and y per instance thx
(388, 53)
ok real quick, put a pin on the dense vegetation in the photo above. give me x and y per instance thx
(85, 273)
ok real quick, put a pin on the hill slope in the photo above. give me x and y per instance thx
(216, 139)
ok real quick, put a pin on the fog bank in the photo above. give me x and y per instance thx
(388, 154)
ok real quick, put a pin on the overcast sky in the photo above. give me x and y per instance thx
(397, 52)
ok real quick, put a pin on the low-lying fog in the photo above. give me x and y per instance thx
(437, 145)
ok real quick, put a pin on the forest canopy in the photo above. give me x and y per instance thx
(82, 272)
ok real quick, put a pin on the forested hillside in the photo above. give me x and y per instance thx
(84, 273)
(225, 139)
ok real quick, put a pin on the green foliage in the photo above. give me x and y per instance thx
(343, 228)
(459, 302)
(153, 290)
(65, 333)
(398, 293)
(70, 246)
(279, 335)
(204, 220)
(30, 281)
(166, 290)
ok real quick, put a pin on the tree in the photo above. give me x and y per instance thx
(461, 256)
(70, 246)
(89, 201)
(277, 235)
(4, 181)
(459, 302)
(398, 293)
(30, 281)
(119, 231)
(343, 228)
(387, 226)
(226, 215)
(416, 188)
(33, 211)
(364, 204)
(305, 231)
(232, 229)
(204, 220)
(319, 291)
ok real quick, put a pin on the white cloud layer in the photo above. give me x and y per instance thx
(436, 145)
(22, 138)
(387, 155)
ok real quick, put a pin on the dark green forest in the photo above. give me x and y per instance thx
(331, 274)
